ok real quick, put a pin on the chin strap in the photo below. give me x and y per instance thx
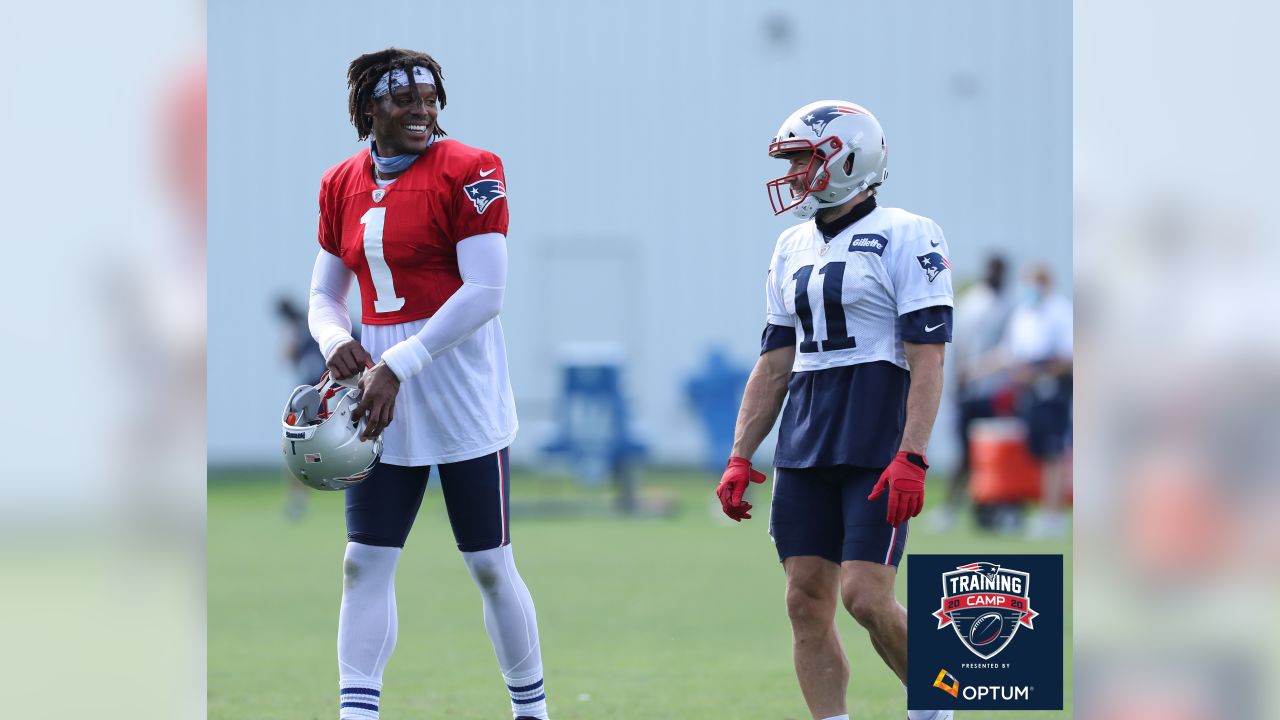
(807, 207)
(811, 205)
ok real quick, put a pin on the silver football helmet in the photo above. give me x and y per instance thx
(847, 154)
(321, 443)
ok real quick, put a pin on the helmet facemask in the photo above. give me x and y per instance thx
(815, 178)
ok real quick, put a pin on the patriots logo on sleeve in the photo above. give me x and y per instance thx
(819, 118)
(933, 264)
(483, 192)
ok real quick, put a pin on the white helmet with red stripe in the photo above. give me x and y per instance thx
(847, 154)
(322, 445)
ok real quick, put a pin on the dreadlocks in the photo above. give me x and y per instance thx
(363, 75)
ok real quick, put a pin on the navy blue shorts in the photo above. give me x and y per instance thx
(381, 510)
(824, 511)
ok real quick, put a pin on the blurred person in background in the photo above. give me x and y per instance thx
(858, 311)
(981, 316)
(299, 348)
(1038, 355)
(421, 221)
(303, 355)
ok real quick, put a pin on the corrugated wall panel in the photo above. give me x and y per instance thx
(634, 137)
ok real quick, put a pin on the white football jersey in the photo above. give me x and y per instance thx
(460, 405)
(844, 296)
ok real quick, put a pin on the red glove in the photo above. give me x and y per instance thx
(905, 479)
(733, 484)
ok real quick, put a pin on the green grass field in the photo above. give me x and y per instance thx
(678, 617)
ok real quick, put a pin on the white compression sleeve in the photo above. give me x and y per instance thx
(367, 626)
(482, 263)
(327, 314)
(512, 624)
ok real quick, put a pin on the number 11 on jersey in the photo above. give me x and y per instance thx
(384, 288)
(838, 337)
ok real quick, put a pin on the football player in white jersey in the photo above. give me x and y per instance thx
(858, 311)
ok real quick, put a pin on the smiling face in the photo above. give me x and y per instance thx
(790, 190)
(404, 119)
(799, 171)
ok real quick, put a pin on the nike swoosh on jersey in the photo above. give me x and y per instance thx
(934, 244)
(487, 173)
(935, 327)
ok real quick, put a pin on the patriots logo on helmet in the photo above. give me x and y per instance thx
(933, 264)
(483, 192)
(818, 119)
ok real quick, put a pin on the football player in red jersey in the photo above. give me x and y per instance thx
(420, 221)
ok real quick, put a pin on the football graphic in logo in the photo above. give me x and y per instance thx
(986, 629)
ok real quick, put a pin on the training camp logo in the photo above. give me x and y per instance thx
(933, 264)
(820, 118)
(985, 604)
(483, 192)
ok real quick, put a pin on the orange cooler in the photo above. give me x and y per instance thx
(1001, 470)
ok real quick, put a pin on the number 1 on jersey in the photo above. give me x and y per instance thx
(384, 288)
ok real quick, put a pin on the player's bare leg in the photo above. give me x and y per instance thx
(884, 654)
(821, 664)
(867, 591)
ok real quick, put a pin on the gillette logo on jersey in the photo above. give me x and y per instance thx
(868, 243)
(973, 615)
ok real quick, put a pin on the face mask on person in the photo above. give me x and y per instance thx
(1031, 294)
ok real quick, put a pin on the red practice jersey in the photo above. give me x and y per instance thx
(399, 240)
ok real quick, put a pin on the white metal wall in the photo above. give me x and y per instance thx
(634, 140)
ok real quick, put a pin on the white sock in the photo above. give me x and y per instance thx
(837, 717)
(513, 627)
(359, 699)
(366, 627)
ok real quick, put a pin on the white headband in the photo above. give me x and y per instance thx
(399, 78)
